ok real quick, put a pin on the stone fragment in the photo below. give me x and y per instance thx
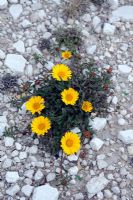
(130, 150)
(23, 155)
(96, 22)
(113, 3)
(102, 164)
(115, 100)
(38, 175)
(13, 1)
(108, 29)
(15, 62)
(7, 163)
(50, 177)
(121, 122)
(96, 144)
(15, 11)
(49, 65)
(73, 170)
(123, 13)
(45, 191)
(3, 4)
(98, 123)
(95, 185)
(86, 17)
(8, 141)
(19, 46)
(91, 49)
(2, 54)
(3, 124)
(27, 190)
(124, 69)
(72, 157)
(47, 35)
(126, 136)
(13, 190)
(26, 23)
(12, 177)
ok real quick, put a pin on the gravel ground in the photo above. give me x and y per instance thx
(103, 169)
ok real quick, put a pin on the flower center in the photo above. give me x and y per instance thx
(41, 126)
(61, 74)
(69, 97)
(36, 106)
(69, 143)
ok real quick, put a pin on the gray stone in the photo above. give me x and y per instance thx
(38, 175)
(12, 177)
(50, 177)
(26, 23)
(86, 17)
(27, 190)
(95, 185)
(3, 4)
(96, 22)
(113, 3)
(91, 49)
(72, 158)
(45, 191)
(12, 191)
(98, 123)
(126, 136)
(123, 13)
(7, 163)
(130, 150)
(96, 143)
(47, 35)
(15, 62)
(15, 11)
(124, 69)
(19, 46)
(102, 164)
(73, 170)
(3, 124)
(8, 141)
(2, 54)
(23, 155)
(108, 29)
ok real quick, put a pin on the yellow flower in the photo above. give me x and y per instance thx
(70, 143)
(87, 106)
(69, 96)
(66, 54)
(40, 125)
(35, 104)
(61, 72)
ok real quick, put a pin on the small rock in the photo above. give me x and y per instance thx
(3, 124)
(108, 29)
(130, 78)
(29, 173)
(73, 170)
(19, 46)
(95, 185)
(18, 146)
(12, 177)
(123, 13)
(79, 196)
(107, 194)
(8, 141)
(12, 191)
(72, 158)
(91, 49)
(3, 4)
(49, 65)
(115, 100)
(15, 11)
(98, 123)
(22, 110)
(121, 122)
(38, 175)
(7, 163)
(102, 164)
(33, 149)
(50, 177)
(96, 143)
(124, 69)
(23, 155)
(113, 3)
(26, 23)
(126, 136)
(47, 35)
(27, 190)
(86, 17)
(76, 130)
(15, 62)
(115, 190)
(130, 150)
(2, 55)
(96, 24)
(45, 191)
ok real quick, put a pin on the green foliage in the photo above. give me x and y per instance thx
(68, 37)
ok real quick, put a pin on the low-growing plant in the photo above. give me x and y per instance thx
(67, 98)
(8, 82)
(70, 37)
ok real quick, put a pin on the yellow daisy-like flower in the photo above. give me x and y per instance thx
(66, 54)
(61, 72)
(40, 125)
(70, 143)
(69, 96)
(35, 104)
(87, 106)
